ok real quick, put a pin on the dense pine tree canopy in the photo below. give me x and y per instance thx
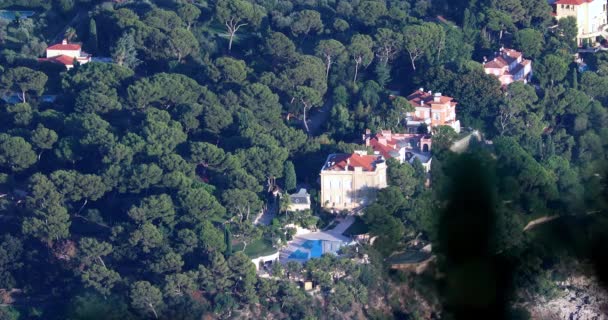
(129, 186)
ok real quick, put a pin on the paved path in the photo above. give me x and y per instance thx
(316, 121)
(542, 220)
(538, 221)
(461, 145)
(265, 217)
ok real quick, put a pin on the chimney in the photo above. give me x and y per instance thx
(347, 164)
(437, 97)
(367, 137)
(421, 89)
(64, 41)
(430, 92)
(387, 134)
(421, 103)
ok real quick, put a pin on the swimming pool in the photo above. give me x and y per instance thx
(300, 255)
(11, 15)
(315, 248)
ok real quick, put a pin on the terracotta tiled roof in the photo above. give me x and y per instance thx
(573, 2)
(428, 99)
(382, 148)
(498, 62)
(63, 59)
(69, 46)
(389, 148)
(342, 161)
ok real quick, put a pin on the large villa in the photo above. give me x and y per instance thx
(349, 181)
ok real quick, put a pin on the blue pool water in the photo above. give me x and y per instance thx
(10, 15)
(314, 249)
(298, 255)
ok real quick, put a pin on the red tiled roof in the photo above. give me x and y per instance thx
(342, 161)
(69, 46)
(428, 99)
(573, 2)
(384, 149)
(63, 59)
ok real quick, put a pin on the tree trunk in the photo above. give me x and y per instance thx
(356, 70)
(230, 42)
(83, 205)
(40, 155)
(233, 26)
(328, 59)
(304, 116)
(153, 310)
(101, 260)
(23, 96)
(413, 64)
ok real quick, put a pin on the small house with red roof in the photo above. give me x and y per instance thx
(66, 53)
(431, 110)
(404, 147)
(349, 181)
(508, 66)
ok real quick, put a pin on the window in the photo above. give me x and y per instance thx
(436, 115)
(337, 199)
(348, 184)
(348, 200)
(327, 184)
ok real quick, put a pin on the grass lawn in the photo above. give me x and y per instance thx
(258, 248)
(358, 227)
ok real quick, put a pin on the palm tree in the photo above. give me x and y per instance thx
(70, 33)
(284, 203)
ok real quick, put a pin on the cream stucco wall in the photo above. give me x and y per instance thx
(590, 17)
(69, 53)
(350, 189)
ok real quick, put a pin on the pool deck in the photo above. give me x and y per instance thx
(334, 234)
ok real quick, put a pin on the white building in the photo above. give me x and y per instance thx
(349, 181)
(590, 16)
(299, 201)
(66, 53)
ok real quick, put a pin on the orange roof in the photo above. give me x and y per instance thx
(573, 2)
(343, 162)
(63, 59)
(427, 99)
(384, 149)
(68, 46)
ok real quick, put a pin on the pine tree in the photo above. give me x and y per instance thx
(383, 74)
(124, 53)
(228, 239)
(93, 36)
(290, 176)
